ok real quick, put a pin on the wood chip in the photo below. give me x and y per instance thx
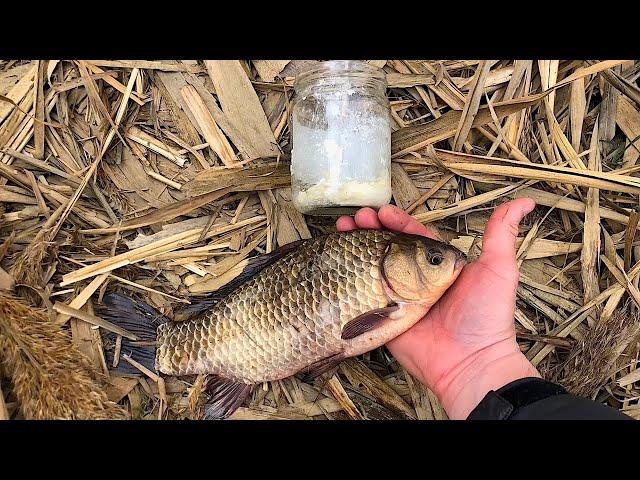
(269, 69)
(210, 130)
(240, 104)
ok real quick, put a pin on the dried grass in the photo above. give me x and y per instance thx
(594, 360)
(51, 378)
(166, 177)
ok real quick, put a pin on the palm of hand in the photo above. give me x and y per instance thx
(475, 316)
(475, 313)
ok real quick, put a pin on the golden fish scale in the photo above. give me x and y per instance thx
(286, 318)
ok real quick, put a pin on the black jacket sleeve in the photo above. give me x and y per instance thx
(537, 399)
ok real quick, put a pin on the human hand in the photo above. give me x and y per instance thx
(466, 344)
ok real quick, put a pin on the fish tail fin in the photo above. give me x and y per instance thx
(138, 318)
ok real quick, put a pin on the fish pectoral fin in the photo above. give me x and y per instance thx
(366, 322)
(321, 366)
(226, 396)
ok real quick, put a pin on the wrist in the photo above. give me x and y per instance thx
(491, 368)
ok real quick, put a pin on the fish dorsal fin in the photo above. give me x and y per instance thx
(226, 396)
(254, 266)
(366, 322)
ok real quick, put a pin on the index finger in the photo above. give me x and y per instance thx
(397, 219)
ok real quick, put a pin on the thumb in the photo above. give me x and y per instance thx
(499, 241)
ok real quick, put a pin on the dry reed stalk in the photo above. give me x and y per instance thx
(242, 107)
(360, 375)
(591, 234)
(210, 130)
(195, 393)
(334, 385)
(472, 103)
(155, 145)
(139, 254)
(68, 311)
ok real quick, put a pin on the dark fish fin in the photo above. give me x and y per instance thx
(140, 319)
(197, 307)
(321, 366)
(366, 322)
(226, 396)
(254, 267)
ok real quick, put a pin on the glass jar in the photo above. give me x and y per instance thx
(341, 157)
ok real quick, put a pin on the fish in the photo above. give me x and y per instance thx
(301, 309)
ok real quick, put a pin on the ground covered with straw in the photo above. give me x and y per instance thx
(160, 179)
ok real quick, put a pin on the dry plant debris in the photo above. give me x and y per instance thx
(164, 178)
(51, 378)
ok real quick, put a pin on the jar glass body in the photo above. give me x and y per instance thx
(341, 157)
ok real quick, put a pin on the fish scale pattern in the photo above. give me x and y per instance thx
(287, 317)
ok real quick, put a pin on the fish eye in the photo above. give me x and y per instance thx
(435, 258)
